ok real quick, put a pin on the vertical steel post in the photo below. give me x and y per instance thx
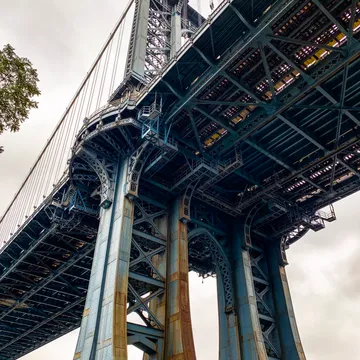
(138, 41)
(103, 332)
(252, 343)
(229, 340)
(175, 30)
(179, 342)
(291, 347)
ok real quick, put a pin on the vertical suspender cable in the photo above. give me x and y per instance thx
(92, 90)
(116, 60)
(199, 12)
(50, 141)
(79, 117)
(63, 146)
(103, 76)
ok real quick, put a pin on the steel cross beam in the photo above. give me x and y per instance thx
(329, 97)
(265, 191)
(230, 103)
(311, 83)
(231, 130)
(339, 122)
(324, 107)
(330, 17)
(237, 82)
(282, 163)
(306, 134)
(267, 70)
(279, 10)
(306, 43)
(193, 126)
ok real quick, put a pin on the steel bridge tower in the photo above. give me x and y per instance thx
(141, 259)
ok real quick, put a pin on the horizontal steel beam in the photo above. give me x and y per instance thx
(146, 280)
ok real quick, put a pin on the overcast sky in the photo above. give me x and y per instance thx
(62, 38)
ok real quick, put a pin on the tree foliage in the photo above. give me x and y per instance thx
(18, 87)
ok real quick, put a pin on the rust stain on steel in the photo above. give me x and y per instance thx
(119, 341)
(179, 338)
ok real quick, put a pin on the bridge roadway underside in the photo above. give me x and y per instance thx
(263, 132)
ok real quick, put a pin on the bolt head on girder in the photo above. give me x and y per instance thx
(106, 204)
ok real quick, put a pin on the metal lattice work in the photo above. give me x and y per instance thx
(265, 303)
(105, 173)
(146, 279)
(210, 247)
(247, 110)
(136, 164)
(158, 38)
(44, 276)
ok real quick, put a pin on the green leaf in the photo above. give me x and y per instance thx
(18, 87)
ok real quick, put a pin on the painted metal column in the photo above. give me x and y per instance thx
(252, 343)
(138, 41)
(291, 347)
(179, 342)
(103, 332)
(229, 340)
(175, 30)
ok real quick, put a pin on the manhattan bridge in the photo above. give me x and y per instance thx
(207, 143)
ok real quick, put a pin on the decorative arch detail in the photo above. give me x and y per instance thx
(105, 173)
(186, 201)
(222, 262)
(248, 223)
(136, 164)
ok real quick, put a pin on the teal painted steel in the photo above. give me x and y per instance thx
(252, 343)
(109, 276)
(229, 340)
(291, 346)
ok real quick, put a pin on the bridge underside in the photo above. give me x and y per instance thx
(258, 131)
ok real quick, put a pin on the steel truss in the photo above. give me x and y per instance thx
(203, 246)
(265, 302)
(146, 279)
(157, 30)
(229, 89)
(44, 276)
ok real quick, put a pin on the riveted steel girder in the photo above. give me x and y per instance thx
(266, 319)
(106, 301)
